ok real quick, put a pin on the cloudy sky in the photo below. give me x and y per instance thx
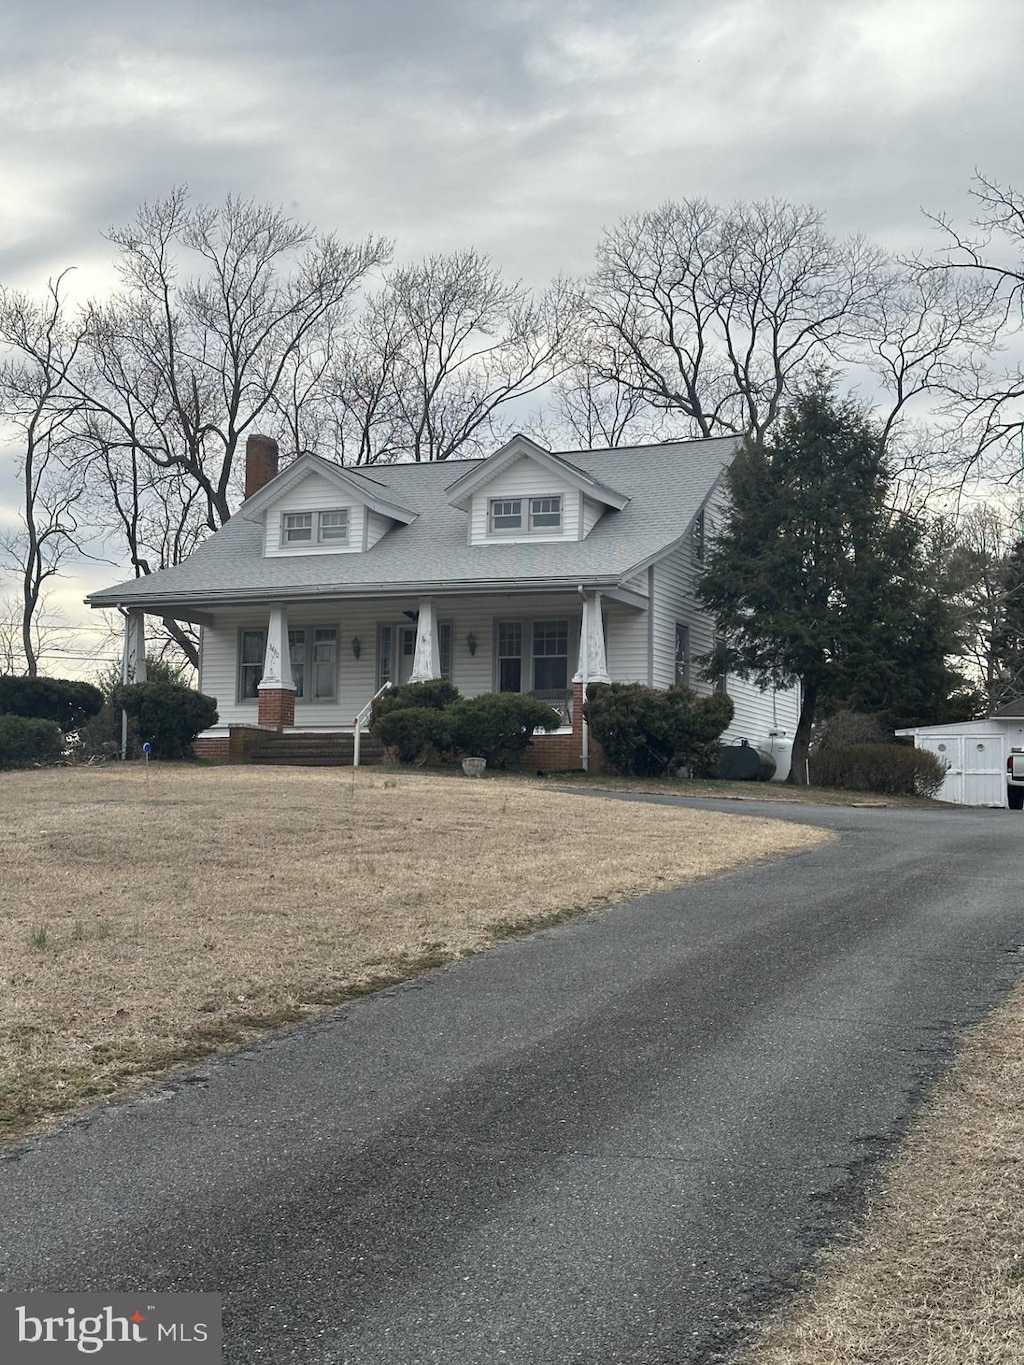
(521, 127)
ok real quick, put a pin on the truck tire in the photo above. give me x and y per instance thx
(1015, 798)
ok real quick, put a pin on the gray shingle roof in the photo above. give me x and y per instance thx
(666, 485)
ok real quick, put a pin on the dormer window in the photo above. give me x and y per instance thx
(546, 514)
(333, 527)
(297, 528)
(539, 514)
(315, 528)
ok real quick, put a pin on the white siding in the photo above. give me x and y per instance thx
(757, 713)
(313, 494)
(523, 479)
(591, 516)
(376, 526)
(357, 678)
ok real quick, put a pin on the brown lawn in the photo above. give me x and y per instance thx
(151, 916)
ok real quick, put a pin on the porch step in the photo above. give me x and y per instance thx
(316, 750)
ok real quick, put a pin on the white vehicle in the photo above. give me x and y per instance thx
(1015, 779)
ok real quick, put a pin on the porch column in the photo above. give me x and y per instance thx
(277, 687)
(133, 662)
(426, 662)
(593, 665)
(133, 659)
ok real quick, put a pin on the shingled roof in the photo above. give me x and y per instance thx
(666, 486)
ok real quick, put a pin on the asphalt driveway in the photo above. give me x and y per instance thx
(611, 1142)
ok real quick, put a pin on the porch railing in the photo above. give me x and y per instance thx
(360, 721)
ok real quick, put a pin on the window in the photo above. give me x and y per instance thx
(550, 656)
(506, 514)
(698, 537)
(544, 667)
(332, 527)
(325, 663)
(312, 653)
(445, 632)
(297, 655)
(297, 528)
(682, 655)
(315, 528)
(545, 514)
(384, 638)
(252, 647)
(510, 656)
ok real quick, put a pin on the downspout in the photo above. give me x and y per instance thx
(584, 678)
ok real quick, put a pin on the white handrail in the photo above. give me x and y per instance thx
(360, 721)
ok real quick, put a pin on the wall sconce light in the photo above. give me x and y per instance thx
(471, 642)
(357, 646)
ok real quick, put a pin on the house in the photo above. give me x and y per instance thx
(975, 752)
(529, 571)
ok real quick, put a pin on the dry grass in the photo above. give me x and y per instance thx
(936, 1273)
(149, 918)
(705, 788)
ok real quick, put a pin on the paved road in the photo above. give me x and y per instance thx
(609, 1143)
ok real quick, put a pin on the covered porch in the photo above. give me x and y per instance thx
(314, 667)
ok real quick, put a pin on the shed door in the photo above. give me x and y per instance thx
(984, 775)
(949, 750)
(975, 776)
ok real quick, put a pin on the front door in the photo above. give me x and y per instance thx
(406, 652)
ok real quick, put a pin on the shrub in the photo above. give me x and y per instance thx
(437, 694)
(645, 732)
(498, 725)
(850, 727)
(892, 769)
(413, 731)
(67, 703)
(26, 742)
(166, 715)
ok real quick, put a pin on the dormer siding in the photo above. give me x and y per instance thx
(525, 479)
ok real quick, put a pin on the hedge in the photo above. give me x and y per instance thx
(167, 715)
(67, 703)
(498, 725)
(26, 742)
(892, 769)
(646, 732)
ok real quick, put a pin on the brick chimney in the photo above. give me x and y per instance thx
(260, 463)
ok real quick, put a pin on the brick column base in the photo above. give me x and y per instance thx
(277, 707)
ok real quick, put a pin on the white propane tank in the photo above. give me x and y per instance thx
(780, 746)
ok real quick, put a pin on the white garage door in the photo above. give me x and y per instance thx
(976, 775)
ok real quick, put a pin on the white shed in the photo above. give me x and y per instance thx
(976, 753)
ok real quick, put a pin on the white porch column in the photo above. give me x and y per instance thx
(277, 661)
(133, 660)
(593, 664)
(426, 662)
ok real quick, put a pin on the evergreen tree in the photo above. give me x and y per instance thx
(1008, 639)
(813, 577)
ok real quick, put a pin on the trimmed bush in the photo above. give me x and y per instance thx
(891, 769)
(437, 694)
(412, 731)
(498, 725)
(167, 715)
(69, 704)
(645, 732)
(26, 742)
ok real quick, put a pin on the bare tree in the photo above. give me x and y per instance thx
(184, 365)
(989, 256)
(714, 315)
(39, 410)
(441, 350)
